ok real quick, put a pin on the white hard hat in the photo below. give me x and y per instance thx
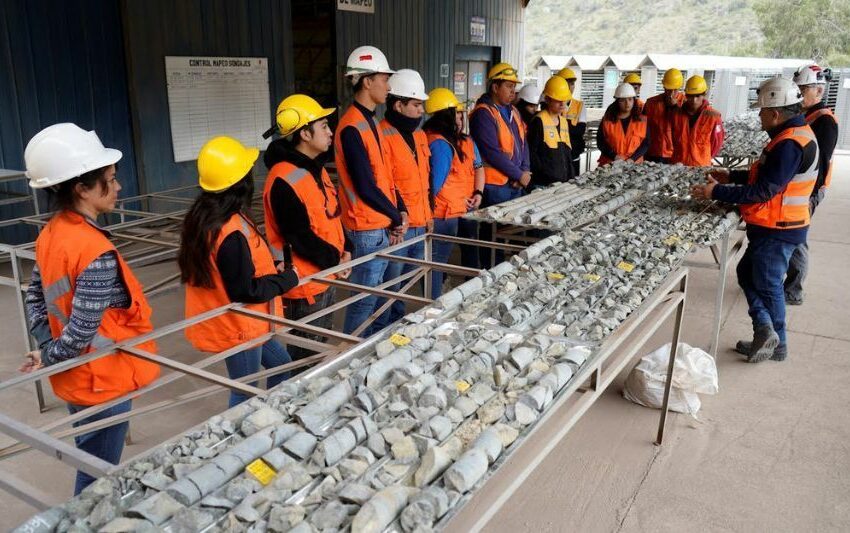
(365, 60)
(530, 93)
(777, 92)
(810, 75)
(64, 151)
(625, 90)
(407, 83)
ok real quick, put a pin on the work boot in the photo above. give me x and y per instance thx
(780, 353)
(793, 300)
(764, 341)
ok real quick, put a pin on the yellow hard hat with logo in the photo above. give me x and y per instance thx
(567, 73)
(696, 85)
(296, 111)
(558, 89)
(673, 79)
(632, 79)
(442, 98)
(503, 71)
(222, 162)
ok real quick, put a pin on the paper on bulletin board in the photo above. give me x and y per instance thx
(211, 96)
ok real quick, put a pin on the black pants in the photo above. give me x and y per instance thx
(657, 159)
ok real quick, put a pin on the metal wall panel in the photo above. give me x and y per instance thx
(61, 61)
(842, 108)
(158, 28)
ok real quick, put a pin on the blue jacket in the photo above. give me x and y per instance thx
(485, 133)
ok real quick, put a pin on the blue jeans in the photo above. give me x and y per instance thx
(269, 355)
(494, 194)
(369, 274)
(106, 443)
(760, 275)
(442, 250)
(394, 270)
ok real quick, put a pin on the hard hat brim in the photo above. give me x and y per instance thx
(109, 156)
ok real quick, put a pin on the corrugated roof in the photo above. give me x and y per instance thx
(553, 62)
(587, 62)
(625, 61)
(712, 62)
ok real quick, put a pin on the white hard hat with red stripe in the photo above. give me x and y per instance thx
(365, 60)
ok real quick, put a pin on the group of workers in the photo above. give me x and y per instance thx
(398, 179)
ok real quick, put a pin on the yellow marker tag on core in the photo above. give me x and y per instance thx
(462, 386)
(399, 340)
(625, 267)
(555, 276)
(592, 277)
(262, 471)
(671, 240)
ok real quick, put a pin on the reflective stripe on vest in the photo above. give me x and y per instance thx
(410, 171)
(322, 210)
(810, 119)
(624, 143)
(554, 133)
(789, 209)
(357, 215)
(64, 249)
(505, 135)
(573, 112)
(450, 200)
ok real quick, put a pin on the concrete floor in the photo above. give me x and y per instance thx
(769, 452)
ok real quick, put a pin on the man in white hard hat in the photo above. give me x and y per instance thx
(407, 155)
(373, 212)
(774, 201)
(812, 81)
(528, 102)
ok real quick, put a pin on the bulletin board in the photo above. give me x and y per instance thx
(210, 96)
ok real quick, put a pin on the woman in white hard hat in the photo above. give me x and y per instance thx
(622, 134)
(83, 296)
(457, 180)
(528, 102)
(223, 258)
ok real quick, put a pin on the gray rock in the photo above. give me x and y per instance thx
(127, 525)
(329, 516)
(377, 444)
(405, 451)
(217, 502)
(260, 419)
(381, 510)
(466, 471)
(156, 479)
(292, 477)
(355, 493)
(190, 521)
(300, 445)
(285, 517)
(277, 459)
(105, 510)
(156, 509)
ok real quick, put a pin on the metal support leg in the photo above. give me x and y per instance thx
(674, 348)
(492, 250)
(718, 297)
(19, 302)
(429, 256)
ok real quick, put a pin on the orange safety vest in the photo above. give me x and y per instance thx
(229, 329)
(65, 248)
(506, 140)
(450, 202)
(659, 119)
(810, 119)
(322, 211)
(692, 145)
(790, 208)
(639, 105)
(356, 215)
(410, 174)
(624, 143)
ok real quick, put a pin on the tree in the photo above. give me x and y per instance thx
(810, 29)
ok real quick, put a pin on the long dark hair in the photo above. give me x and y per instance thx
(202, 226)
(443, 123)
(613, 111)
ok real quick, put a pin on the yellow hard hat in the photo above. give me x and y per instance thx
(567, 73)
(673, 79)
(442, 98)
(298, 110)
(558, 89)
(222, 162)
(503, 71)
(632, 78)
(696, 85)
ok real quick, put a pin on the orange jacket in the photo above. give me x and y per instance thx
(810, 119)
(624, 143)
(356, 215)
(506, 139)
(410, 174)
(659, 119)
(696, 146)
(229, 329)
(66, 247)
(790, 208)
(450, 201)
(322, 211)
